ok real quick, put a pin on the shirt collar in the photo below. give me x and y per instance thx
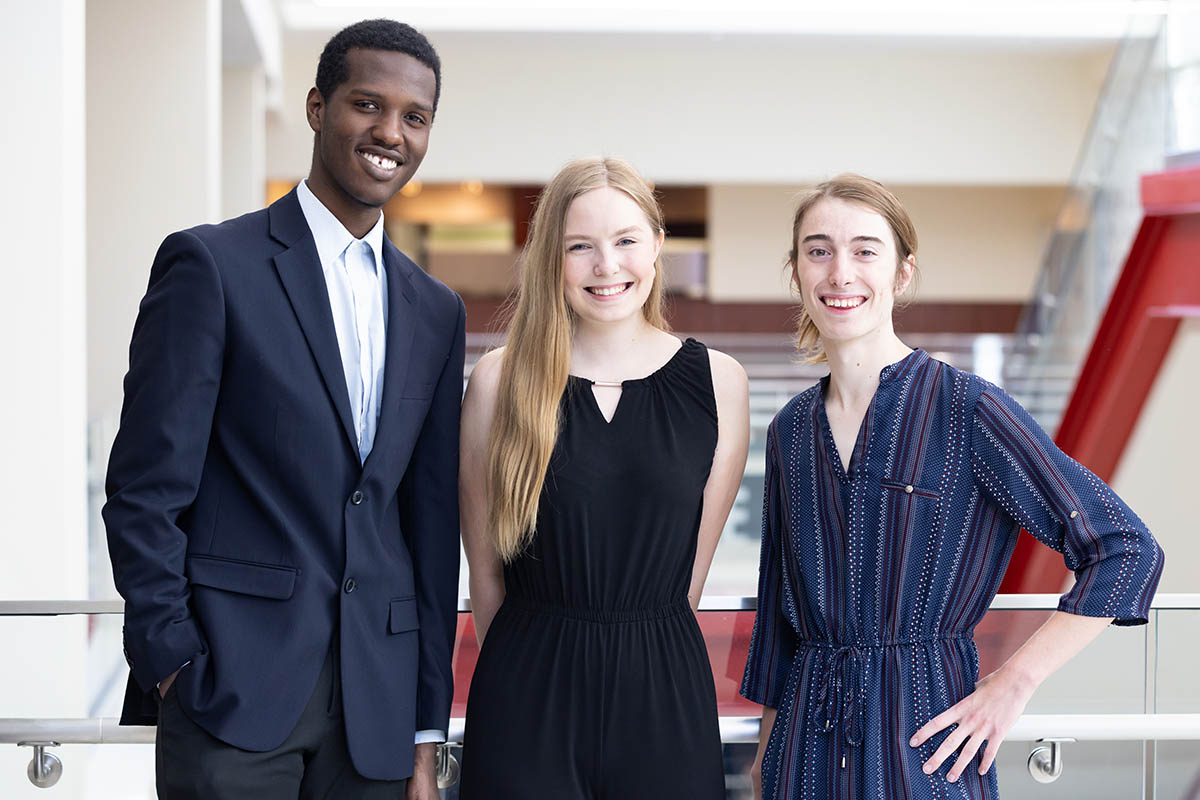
(891, 372)
(329, 234)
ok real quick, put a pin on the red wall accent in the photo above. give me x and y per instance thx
(1159, 286)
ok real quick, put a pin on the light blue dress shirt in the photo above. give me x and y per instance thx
(357, 284)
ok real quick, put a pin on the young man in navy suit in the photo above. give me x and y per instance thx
(282, 495)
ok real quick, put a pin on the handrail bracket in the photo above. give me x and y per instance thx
(46, 768)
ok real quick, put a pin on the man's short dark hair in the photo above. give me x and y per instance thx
(375, 34)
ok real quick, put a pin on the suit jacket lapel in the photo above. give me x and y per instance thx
(299, 269)
(401, 329)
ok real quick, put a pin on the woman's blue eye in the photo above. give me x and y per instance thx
(576, 247)
(627, 241)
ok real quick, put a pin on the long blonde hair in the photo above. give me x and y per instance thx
(875, 196)
(537, 355)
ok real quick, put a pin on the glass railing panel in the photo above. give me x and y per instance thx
(1108, 677)
(1092, 770)
(1177, 770)
(1176, 689)
(52, 659)
(727, 636)
(69, 667)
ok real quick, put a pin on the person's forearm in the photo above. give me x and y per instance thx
(1052, 645)
(764, 732)
(487, 594)
(764, 735)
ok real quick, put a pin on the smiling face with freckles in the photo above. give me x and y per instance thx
(609, 253)
(847, 270)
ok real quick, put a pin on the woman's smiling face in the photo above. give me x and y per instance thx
(609, 251)
(848, 270)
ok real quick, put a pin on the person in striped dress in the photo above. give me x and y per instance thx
(894, 493)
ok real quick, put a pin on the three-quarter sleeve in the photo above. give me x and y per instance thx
(773, 643)
(1116, 561)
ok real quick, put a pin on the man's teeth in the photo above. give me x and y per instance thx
(843, 302)
(380, 161)
(605, 291)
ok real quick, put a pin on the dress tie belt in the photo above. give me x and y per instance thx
(839, 700)
(843, 683)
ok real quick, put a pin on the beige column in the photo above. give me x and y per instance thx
(43, 486)
(154, 159)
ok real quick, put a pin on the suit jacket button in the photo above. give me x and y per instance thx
(357, 498)
(351, 585)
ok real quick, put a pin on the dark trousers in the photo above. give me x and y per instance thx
(313, 762)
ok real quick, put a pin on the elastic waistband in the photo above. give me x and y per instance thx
(604, 615)
(863, 644)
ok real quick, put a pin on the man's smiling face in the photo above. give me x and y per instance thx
(371, 132)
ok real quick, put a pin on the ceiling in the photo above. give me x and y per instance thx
(1025, 23)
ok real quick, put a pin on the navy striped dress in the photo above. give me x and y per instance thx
(872, 579)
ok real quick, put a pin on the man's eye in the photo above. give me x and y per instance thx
(366, 104)
(416, 119)
(868, 252)
(818, 252)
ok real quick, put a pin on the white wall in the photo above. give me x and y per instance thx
(1157, 474)
(737, 109)
(153, 158)
(43, 535)
(243, 140)
(978, 243)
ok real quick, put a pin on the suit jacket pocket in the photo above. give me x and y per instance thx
(244, 577)
(402, 615)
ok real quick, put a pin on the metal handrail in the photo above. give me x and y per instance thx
(734, 730)
(1001, 602)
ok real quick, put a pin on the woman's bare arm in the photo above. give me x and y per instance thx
(729, 462)
(486, 569)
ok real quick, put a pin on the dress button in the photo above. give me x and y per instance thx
(908, 489)
(356, 498)
(1074, 514)
(351, 585)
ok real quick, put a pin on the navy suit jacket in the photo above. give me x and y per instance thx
(245, 535)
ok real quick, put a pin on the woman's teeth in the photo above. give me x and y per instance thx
(380, 161)
(843, 302)
(606, 291)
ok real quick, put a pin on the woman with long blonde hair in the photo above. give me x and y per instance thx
(600, 457)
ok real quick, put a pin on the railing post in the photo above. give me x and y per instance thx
(447, 766)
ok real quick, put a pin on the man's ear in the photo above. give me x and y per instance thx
(314, 108)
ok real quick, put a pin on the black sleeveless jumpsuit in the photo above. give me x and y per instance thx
(593, 681)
